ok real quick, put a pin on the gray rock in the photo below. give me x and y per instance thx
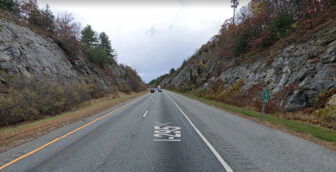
(329, 56)
(25, 53)
(332, 100)
(310, 65)
(4, 58)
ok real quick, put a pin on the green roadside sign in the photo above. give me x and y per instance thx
(265, 96)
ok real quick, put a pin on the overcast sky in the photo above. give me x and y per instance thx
(151, 36)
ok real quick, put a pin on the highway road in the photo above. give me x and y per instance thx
(167, 132)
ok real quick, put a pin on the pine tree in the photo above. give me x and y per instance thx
(47, 22)
(88, 36)
(172, 71)
(105, 43)
(10, 5)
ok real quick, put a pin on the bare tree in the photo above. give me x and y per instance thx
(68, 32)
(66, 27)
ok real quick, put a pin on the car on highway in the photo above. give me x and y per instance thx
(152, 90)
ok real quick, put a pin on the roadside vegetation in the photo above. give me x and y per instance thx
(23, 99)
(322, 114)
(35, 99)
(13, 135)
(263, 23)
(62, 28)
(260, 29)
(275, 121)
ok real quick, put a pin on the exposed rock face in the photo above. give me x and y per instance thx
(332, 100)
(310, 65)
(25, 53)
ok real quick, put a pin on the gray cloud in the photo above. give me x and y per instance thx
(150, 39)
(165, 51)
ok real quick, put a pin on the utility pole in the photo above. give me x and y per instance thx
(234, 5)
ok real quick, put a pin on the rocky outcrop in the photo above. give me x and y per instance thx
(24, 52)
(309, 65)
(28, 54)
(332, 100)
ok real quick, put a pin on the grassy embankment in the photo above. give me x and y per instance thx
(14, 135)
(321, 133)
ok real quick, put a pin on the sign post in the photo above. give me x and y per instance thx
(265, 98)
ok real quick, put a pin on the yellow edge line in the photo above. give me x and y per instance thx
(59, 138)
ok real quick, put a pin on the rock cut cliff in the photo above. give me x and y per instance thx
(24, 53)
(307, 67)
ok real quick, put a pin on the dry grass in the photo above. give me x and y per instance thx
(11, 136)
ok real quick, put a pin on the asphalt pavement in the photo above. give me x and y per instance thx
(165, 131)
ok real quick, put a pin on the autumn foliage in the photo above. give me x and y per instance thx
(261, 23)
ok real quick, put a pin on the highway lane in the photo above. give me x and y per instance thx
(129, 141)
(249, 146)
(169, 132)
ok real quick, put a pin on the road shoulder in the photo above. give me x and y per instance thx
(316, 134)
(250, 146)
(13, 136)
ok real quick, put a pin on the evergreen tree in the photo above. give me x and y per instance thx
(172, 71)
(47, 22)
(88, 36)
(105, 43)
(98, 55)
(10, 5)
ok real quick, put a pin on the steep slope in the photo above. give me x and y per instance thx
(295, 72)
(38, 79)
(27, 54)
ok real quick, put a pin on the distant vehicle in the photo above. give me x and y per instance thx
(152, 90)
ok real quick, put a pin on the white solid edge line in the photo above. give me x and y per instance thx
(144, 115)
(213, 150)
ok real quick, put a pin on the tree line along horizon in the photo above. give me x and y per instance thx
(63, 29)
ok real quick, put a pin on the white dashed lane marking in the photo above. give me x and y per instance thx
(144, 115)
